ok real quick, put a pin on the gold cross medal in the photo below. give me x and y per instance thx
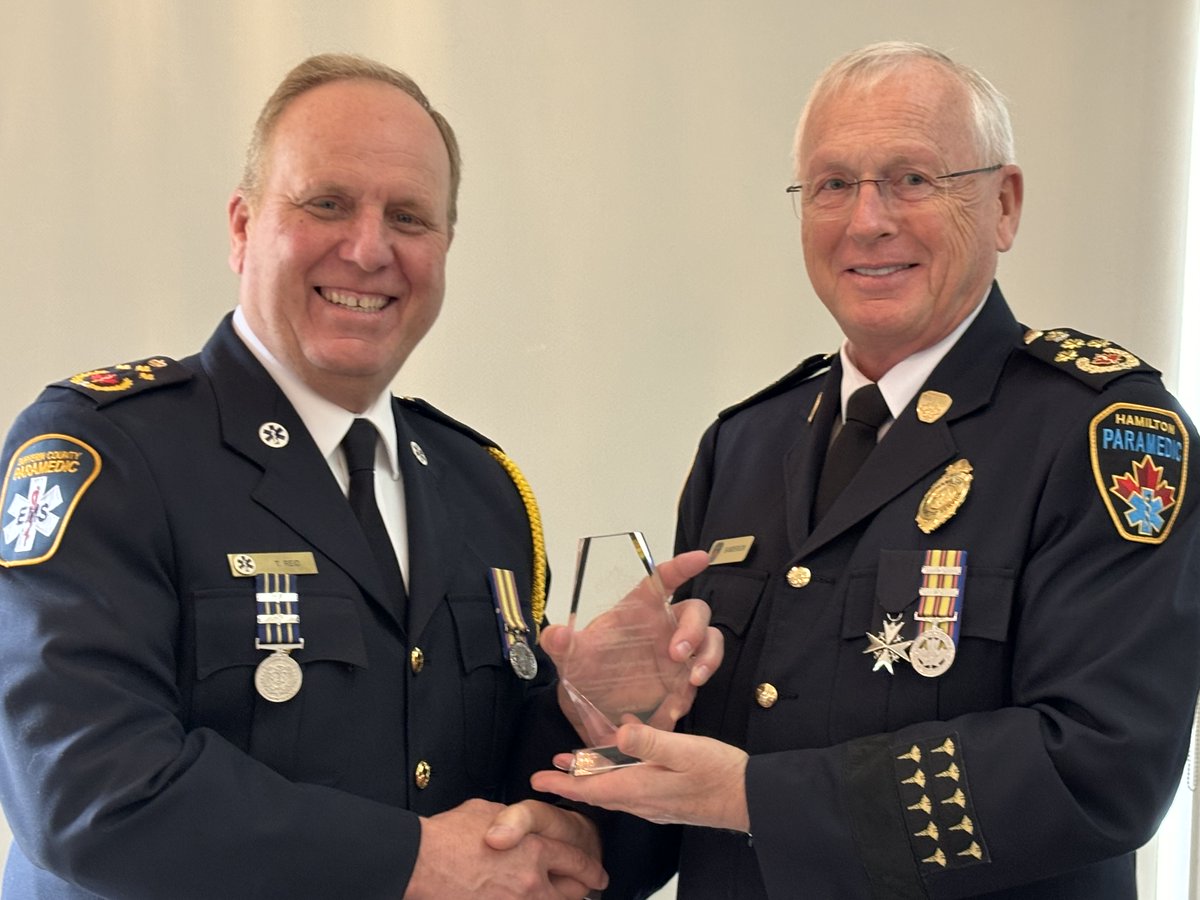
(943, 584)
(278, 677)
(514, 633)
(888, 645)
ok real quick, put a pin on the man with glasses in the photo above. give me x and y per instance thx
(962, 622)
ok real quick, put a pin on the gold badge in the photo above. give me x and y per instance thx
(932, 405)
(946, 495)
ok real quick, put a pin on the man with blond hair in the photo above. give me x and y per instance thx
(223, 680)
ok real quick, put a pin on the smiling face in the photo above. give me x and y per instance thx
(342, 251)
(898, 276)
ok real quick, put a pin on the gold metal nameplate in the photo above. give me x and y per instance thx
(247, 565)
(730, 550)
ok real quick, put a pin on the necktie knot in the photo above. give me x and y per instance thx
(867, 406)
(866, 410)
(359, 446)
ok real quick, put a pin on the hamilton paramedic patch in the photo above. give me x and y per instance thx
(1140, 461)
(47, 476)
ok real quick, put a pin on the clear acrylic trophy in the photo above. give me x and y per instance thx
(617, 666)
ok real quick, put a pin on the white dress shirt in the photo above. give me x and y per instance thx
(902, 381)
(328, 423)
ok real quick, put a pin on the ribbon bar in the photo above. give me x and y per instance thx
(941, 570)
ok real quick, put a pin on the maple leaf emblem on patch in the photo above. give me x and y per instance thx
(1147, 494)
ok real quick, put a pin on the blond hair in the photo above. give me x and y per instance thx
(323, 69)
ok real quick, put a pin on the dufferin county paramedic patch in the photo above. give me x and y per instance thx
(1140, 461)
(46, 478)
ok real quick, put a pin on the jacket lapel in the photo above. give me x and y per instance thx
(433, 538)
(295, 484)
(803, 461)
(908, 452)
(913, 450)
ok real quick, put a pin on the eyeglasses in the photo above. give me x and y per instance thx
(836, 194)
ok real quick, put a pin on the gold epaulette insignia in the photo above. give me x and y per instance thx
(125, 379)
(1091, 359)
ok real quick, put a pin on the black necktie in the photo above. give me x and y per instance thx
(866, 410)
(359, 446)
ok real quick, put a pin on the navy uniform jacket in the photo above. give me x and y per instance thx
(1048, 752)
(138, 760)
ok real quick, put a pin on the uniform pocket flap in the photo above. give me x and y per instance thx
(226, 630)
(987, 603)
(733, 595)
(478, 631)
(893, 589)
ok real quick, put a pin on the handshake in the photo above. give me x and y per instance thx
(627, 673)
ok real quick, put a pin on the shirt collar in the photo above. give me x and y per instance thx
(325, 420)
(902, 381)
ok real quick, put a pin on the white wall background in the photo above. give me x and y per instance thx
(626, 262)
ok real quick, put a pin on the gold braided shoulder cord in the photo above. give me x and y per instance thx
(537, 602)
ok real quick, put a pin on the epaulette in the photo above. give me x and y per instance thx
(106, 386)
(432, 412)
(802, 372)
(539, 582)
(1094, 361)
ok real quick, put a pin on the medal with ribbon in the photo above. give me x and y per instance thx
(278, 676)
(514, 633)
(943, 583)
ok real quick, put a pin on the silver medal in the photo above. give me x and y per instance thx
(522, 660)
(278, 677)
(932, 653)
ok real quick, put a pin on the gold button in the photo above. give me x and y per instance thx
(422, 774)
(416, 659)
(766, 695)
(798, 576)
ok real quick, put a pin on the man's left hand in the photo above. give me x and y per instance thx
(683, 778)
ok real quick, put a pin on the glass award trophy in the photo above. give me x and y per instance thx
(617, 667)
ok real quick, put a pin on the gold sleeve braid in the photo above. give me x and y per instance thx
(537, 602)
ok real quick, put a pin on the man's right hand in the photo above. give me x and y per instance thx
(555, 858)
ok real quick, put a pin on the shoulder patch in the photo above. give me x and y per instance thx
(432, 412)
(106, 386)
(1140, 463)
(46, 478)
(801, 373)
(1094, 361)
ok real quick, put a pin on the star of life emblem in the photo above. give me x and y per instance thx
(1147, 494)
(33, 515)
(45, 480)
